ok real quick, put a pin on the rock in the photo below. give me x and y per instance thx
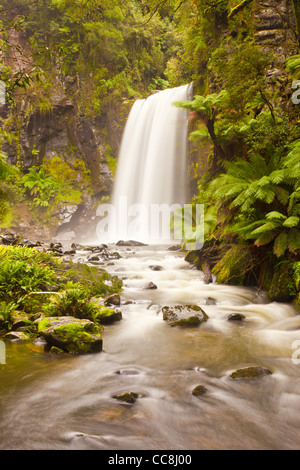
(156, 268)
(279, 290)
(199, 391)
(130, 243)
(73, 335)
(20, 323)
(236, 317)
(151, 285)
(211, 301)
(187, 322)
(127, 372)
(16, 336)
(174, 248)
(184, 315)
(128, 397)
(113, 299)
(249, 373)
(106, 316)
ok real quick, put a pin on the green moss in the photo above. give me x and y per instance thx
(44, 324)
(250, 373)
(282, 279)
(187, 322)
(107, 315)
(78, 338)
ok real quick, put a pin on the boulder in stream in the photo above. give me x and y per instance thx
(107, 315)
(249, 373)
(128, 397)
(73, 335)
(184, 315)
(113, 299)
(199, 391)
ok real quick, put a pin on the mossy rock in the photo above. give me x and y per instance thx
(279, 290)
(128, 397)
(106, 316)
(17, 336)
(297, 301)
(249, 373)
(184, 315)
(236, 317)
(199, 391)
(193, 257)
(72, 335)
(189, 322)
(113, 299)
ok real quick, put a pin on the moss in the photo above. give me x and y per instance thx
(199, 391)
(78, 338)
(43, 324)
(107, 315)
(250, 373)
(187, 322)
(297, 302)
(128, 397)
(282, 279)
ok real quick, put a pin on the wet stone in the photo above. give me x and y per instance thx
(151, 286)
(128, 397)
(236, 317)
(249, 373)
(199, 391)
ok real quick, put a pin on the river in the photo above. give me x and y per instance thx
(66, 403)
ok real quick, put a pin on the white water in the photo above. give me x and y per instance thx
(151, 165)
(49, 402)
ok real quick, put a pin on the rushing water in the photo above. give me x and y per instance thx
(151, 165)
(50, 402)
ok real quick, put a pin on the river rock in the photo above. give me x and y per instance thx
(156, 267)
(199, 391)
(236, 317)
(128, 397)
(249, 373)
(130, 243)
(106, 316)
(184, 315)
(16, 336)
(113, 299)
(73, 335)
(151, 286)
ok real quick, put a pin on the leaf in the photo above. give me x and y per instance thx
(291, 222)
(280, 244)
(275, 215)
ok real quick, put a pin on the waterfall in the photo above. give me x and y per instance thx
(151, 170)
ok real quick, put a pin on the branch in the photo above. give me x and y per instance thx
(239, 7)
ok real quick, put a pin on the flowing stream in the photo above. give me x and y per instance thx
(59, 402)
(50, 402)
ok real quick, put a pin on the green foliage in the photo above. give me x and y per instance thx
(293, 65)
(8, 190)
(7, 310)
(48, 190)
(97, 283)
(75, 301)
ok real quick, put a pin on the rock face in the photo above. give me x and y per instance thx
(71, 334)
(184, 315)
(275, 26)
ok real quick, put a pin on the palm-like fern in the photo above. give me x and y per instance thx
(266, 196)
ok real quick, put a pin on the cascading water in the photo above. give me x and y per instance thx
(152, 164)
